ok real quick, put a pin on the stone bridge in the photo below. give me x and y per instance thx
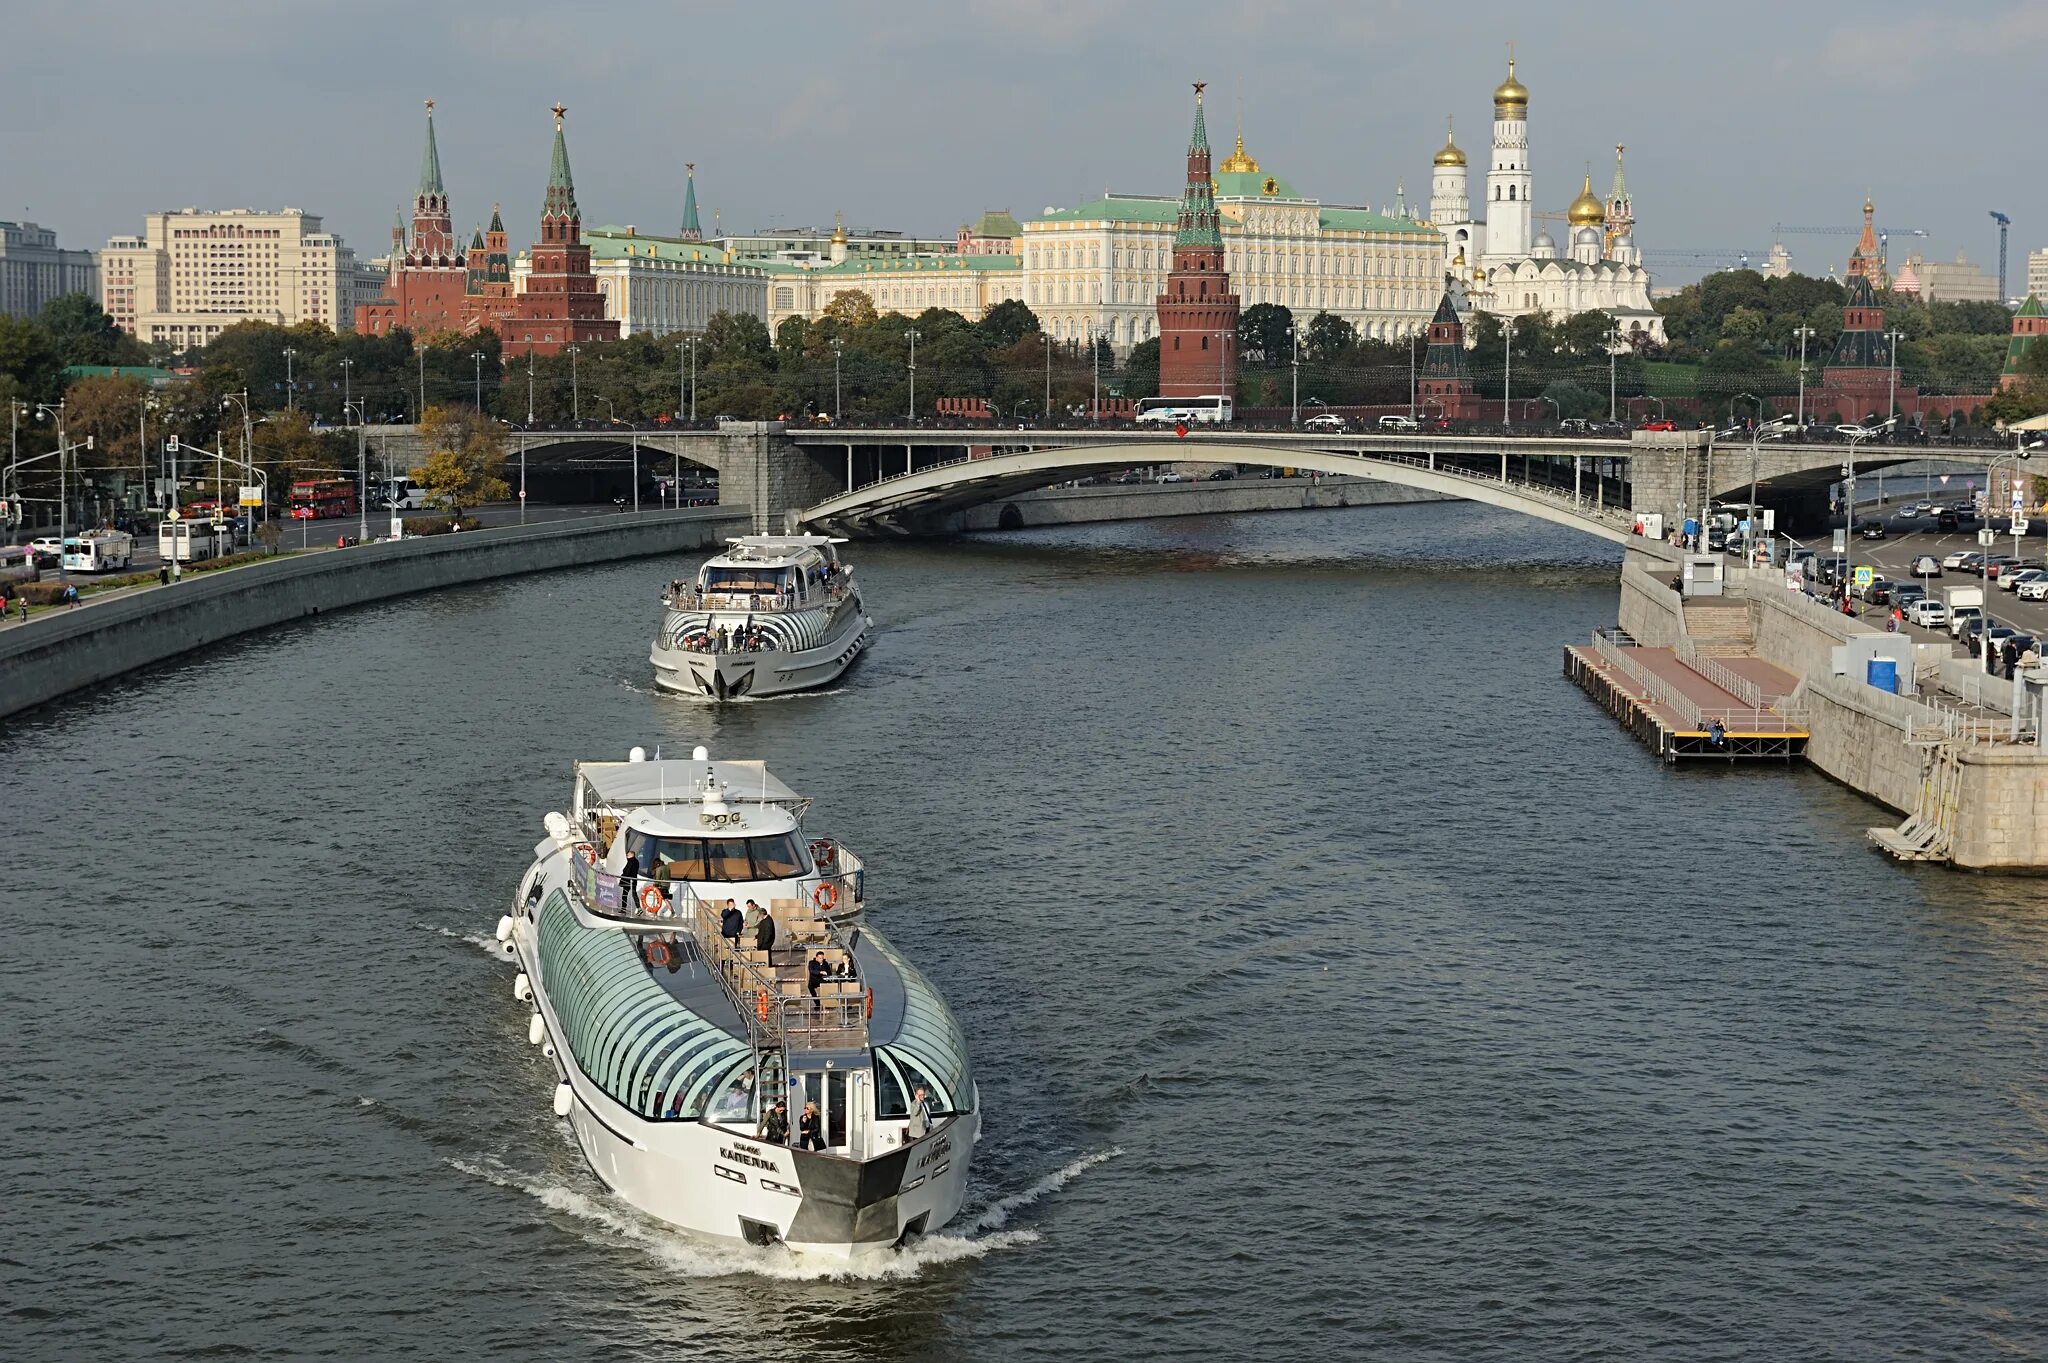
(913, 480)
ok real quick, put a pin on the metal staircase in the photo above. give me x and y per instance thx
(1928, 834)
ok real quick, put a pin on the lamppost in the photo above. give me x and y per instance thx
(241, 399)
(2022, 448)
(1803, 333)
(1045, 411)
(1507, 387)
(575, 389)
(1775, 429)
(1294, 405)
(611, 410)
(347, 366)
(44, 411)
(1849, 501)
(423, 384)
(290, 392)
(837, 412)
(1891, 402)
(1095, 360)
(362, 473)
(1413, 336)
(522, 433)
(1613, 350)
(478, 356)
(911, 336)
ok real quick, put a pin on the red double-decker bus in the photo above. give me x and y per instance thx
(321, 499)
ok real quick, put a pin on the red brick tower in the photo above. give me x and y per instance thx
(560, 302)
(1445, 382)
(423, 291)
(1198, 312)
(433, 230)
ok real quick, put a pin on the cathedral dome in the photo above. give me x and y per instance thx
(1586, 236)
(1237, 163)
(1510, 95)
(1586, 210)
(1545, 246)
(1450, 155)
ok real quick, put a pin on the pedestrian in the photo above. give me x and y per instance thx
(2011, 654)
(764, 931)
(22, 601)
(810, 1133)
(163, 575)
(775, 1126)
(1717, 733)
(71, 595)
(629, 880)
(820, 971)
(731, 924)
(920, 1114)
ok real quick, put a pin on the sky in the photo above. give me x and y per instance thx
(1738, 115)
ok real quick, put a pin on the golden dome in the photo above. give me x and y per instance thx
(1510, 93)
(1586, 210)
(1237, 163)
(1450, 155)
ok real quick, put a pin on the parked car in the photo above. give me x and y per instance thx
(1575, 423)
(1961, 619)
(1927, 612)
(2036, 590)
(1961, 559)
(1222, 475)
(1658, 423)
(1870, 530)
(1980, 636)
(1396, 422)
(1927, 565)
(1877, 591)
(1328, 421)
(1171, 477)
(1905, 594)
(2013, 578)
(1991, 565)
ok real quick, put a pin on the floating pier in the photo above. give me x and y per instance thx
(1690, 708)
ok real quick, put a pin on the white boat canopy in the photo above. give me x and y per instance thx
(677, 780)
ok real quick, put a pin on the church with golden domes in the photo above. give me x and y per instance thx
(1506, 262)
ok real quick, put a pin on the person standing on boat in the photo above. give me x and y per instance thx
(764, 931)
(775, 1126)
(629, 881)
(731, 924)
(809, 1130)
(920, 1115)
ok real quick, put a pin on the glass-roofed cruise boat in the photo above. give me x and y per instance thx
(672, 1040)
(770, 615)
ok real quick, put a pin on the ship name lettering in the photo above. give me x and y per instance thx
(939, 1151)
(743, 1156)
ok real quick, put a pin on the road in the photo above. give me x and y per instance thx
(1893, 556)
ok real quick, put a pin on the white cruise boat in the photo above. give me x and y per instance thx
(772, 614)
(670, 1043)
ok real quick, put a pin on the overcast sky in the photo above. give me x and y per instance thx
(917, 115)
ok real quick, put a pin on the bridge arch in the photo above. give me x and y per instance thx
(908, 502)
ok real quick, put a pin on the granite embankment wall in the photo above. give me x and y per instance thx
(1145, 501)
(1652, 613)
(59, 652)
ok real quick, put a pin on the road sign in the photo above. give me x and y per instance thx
(1840, 543)
(171, 445)
(2019, 525)
(251, 496)
(1987, 536)
(1863, 575)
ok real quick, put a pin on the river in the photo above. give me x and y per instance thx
(1341, 982)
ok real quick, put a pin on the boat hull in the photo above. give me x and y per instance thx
(733, 676)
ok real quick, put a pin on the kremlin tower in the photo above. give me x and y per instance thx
(560, 303)
(1198, 312)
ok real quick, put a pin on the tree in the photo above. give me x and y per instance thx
(852, 309)
(82, 333)
(1329, 336)
(465, 451)
(1007, 323)
(109, 409)
(1263, 334)
(30, 358)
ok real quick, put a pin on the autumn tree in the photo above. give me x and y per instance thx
(465, 452)
(852, 309)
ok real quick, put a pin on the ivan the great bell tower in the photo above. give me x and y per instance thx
(1198, 312)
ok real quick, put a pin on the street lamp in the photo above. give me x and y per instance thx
(611, 410)
(688, 343)
(1775, 429)
(1507, 387)
(1891, 402)
(1849, 500)
(1613, 349)
(1045, 410)
(911, 336)
(837, 413)
(241, 399)
(290, 392)
(1804, 334)
(346, 375)
(362, 472)
(1294, 406)
(1413, 336)
(478, 356)
(575, 390)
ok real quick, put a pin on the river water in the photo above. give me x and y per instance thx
(1341, 983)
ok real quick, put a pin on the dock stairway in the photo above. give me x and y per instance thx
(1928, 834)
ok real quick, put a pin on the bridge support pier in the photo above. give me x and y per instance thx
(1667, 475)
(774, 477)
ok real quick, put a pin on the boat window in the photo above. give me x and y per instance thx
(778, 857)
(744, 580)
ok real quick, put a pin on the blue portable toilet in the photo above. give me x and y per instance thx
(1883, 673)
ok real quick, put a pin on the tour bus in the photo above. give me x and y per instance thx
(98, 551)
(1211, 409)
(398, 493)
(320, 499)
(194, 536)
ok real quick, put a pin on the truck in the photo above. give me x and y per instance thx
(1964, 604)
(98, 551)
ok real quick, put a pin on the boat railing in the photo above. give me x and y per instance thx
(652, 901)
(774, 999)
(685, 596)
(840, 867)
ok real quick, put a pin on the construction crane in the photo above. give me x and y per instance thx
(2003, 223)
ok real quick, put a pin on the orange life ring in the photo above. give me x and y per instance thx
(652, 900)
(826, 896)
(761, 1004)
(871, 1003)
(657, 953)
(587, 852)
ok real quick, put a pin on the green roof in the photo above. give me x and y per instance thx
(935, 265)
(1116, 208)
(1365, 220)
(614, 243)
(998, 222)
(2030, 308)
(2016, 349)
(1251, 184)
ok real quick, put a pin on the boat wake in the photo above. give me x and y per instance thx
(612, 1222)
(487, 945)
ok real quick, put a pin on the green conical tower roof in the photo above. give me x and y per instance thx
(561, 198)
(430, 161)
(1196, 224)
(693, 230)
(497, 220)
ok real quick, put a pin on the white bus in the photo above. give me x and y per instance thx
(1210, 409)
(98, 551)
(189, 540)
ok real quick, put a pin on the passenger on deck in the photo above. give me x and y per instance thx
(920, 1114)
(820, 971)
(629, 880)
(809, 1130)
(764, 931)
(775, 1126)
(845, 970)
(731, 924)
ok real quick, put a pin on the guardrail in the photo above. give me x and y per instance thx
(1694, 715)
(1720, 674)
